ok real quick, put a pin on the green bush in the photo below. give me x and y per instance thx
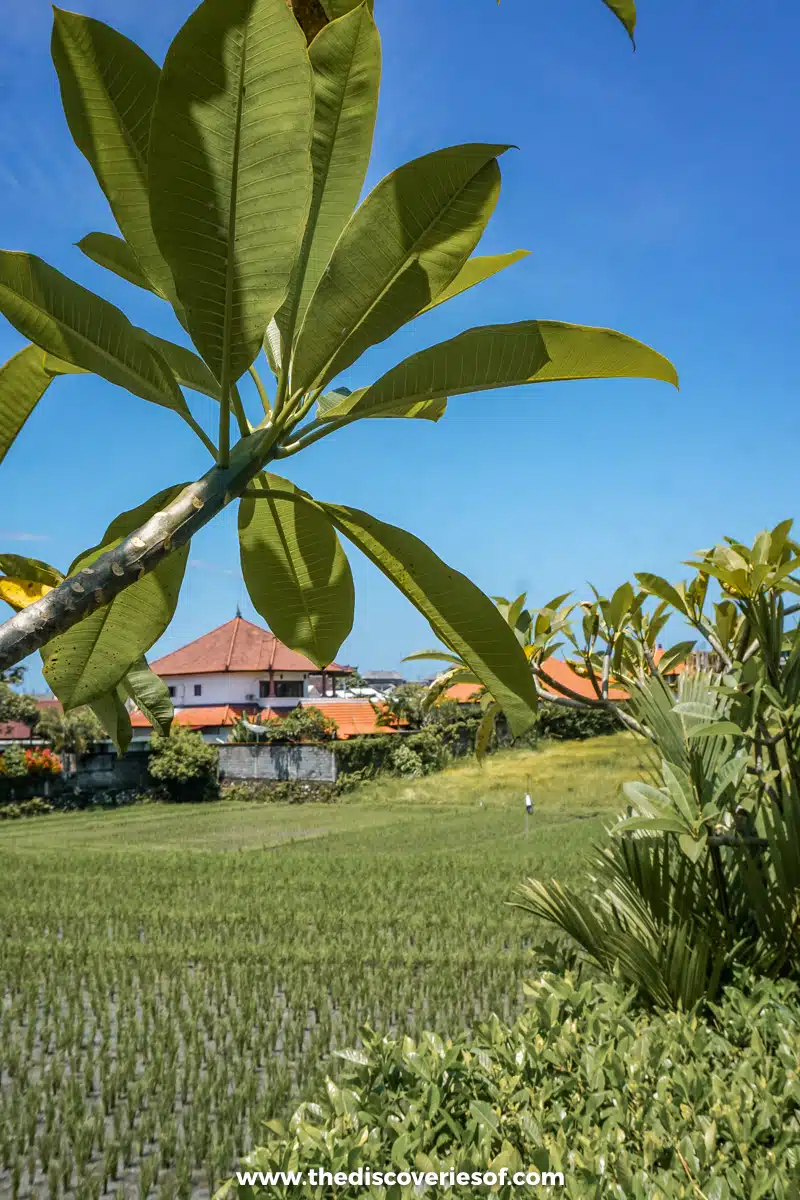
(37, 806)
(15, 765)
(286, 791)
(299, 725)
(626, 1104)
(184, 765)
(567, 724)
(406, 761)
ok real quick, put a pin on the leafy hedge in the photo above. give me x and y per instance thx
(284, 791)
(574, 724)
(626, 1103)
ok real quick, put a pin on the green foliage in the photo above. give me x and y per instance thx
(36, 806)
(74, 732)
(423, 752)
(14, 763)
(184, 764)
(288, 259)
(307, 602)
(619, 1102)
(305, 723)
(94, 657)
(703, 872)
(283, 791)
(403, 706)
(406, 761)
(568, 724)
(14, 705)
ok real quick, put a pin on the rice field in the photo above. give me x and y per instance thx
(172, 977)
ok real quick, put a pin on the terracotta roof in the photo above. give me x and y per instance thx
(559, 671)
(238, 645)
(203, 717)
(463, 693)
(352, 717)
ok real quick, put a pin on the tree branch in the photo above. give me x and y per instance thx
(114, 571)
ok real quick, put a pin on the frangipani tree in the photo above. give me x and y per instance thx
(234, 173)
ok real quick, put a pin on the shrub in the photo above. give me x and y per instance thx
(42, 762)
(406, 761)
(185, 765)
(624, 1103)
(14, 763)
(37, 806)
(299, 725)
(566, 724)
(286, 791)
(74, 732)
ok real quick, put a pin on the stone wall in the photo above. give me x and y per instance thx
(277, 762)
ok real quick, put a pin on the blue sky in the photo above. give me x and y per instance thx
(657, 193)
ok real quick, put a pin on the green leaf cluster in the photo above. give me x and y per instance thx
(619, 1101)
(234, 173)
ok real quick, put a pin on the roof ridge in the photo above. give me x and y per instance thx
(193, 642)
(236, 621)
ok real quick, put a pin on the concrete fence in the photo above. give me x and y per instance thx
(277, 762)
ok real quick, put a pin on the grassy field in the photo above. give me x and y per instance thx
(172, 976)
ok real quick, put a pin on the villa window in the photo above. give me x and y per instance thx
(198, 689)
(172, 692)
(263, 688)
(286, 688)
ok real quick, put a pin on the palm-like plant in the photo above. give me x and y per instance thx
(234, 174)
(704, 869)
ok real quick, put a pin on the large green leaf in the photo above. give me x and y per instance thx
(73, 324)
(112, 714)
(32, 569)
(230, 171)
(187, 367)
(108, 88)
(625, 10)
(115, 255)
(340, 8)
(459, 613)
(150, 695)
(494, 356)
(23, 382)
(330, 406)
(95, 655)
(407, 241)
(474, 271)
(297, 573)
(346, 60)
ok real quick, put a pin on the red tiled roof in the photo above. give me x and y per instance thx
(208, 716)
(557, 669)
(238, 645)
(463, 693)
(352, 717)
(14, 731)
(562, 673)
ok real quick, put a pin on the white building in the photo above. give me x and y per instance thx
(240, 669)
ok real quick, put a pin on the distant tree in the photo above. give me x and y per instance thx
(404, 706)
(73, 732)
(355, 680)
(301, 725)
(14, 705)
(184, 764)
(14, 764)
